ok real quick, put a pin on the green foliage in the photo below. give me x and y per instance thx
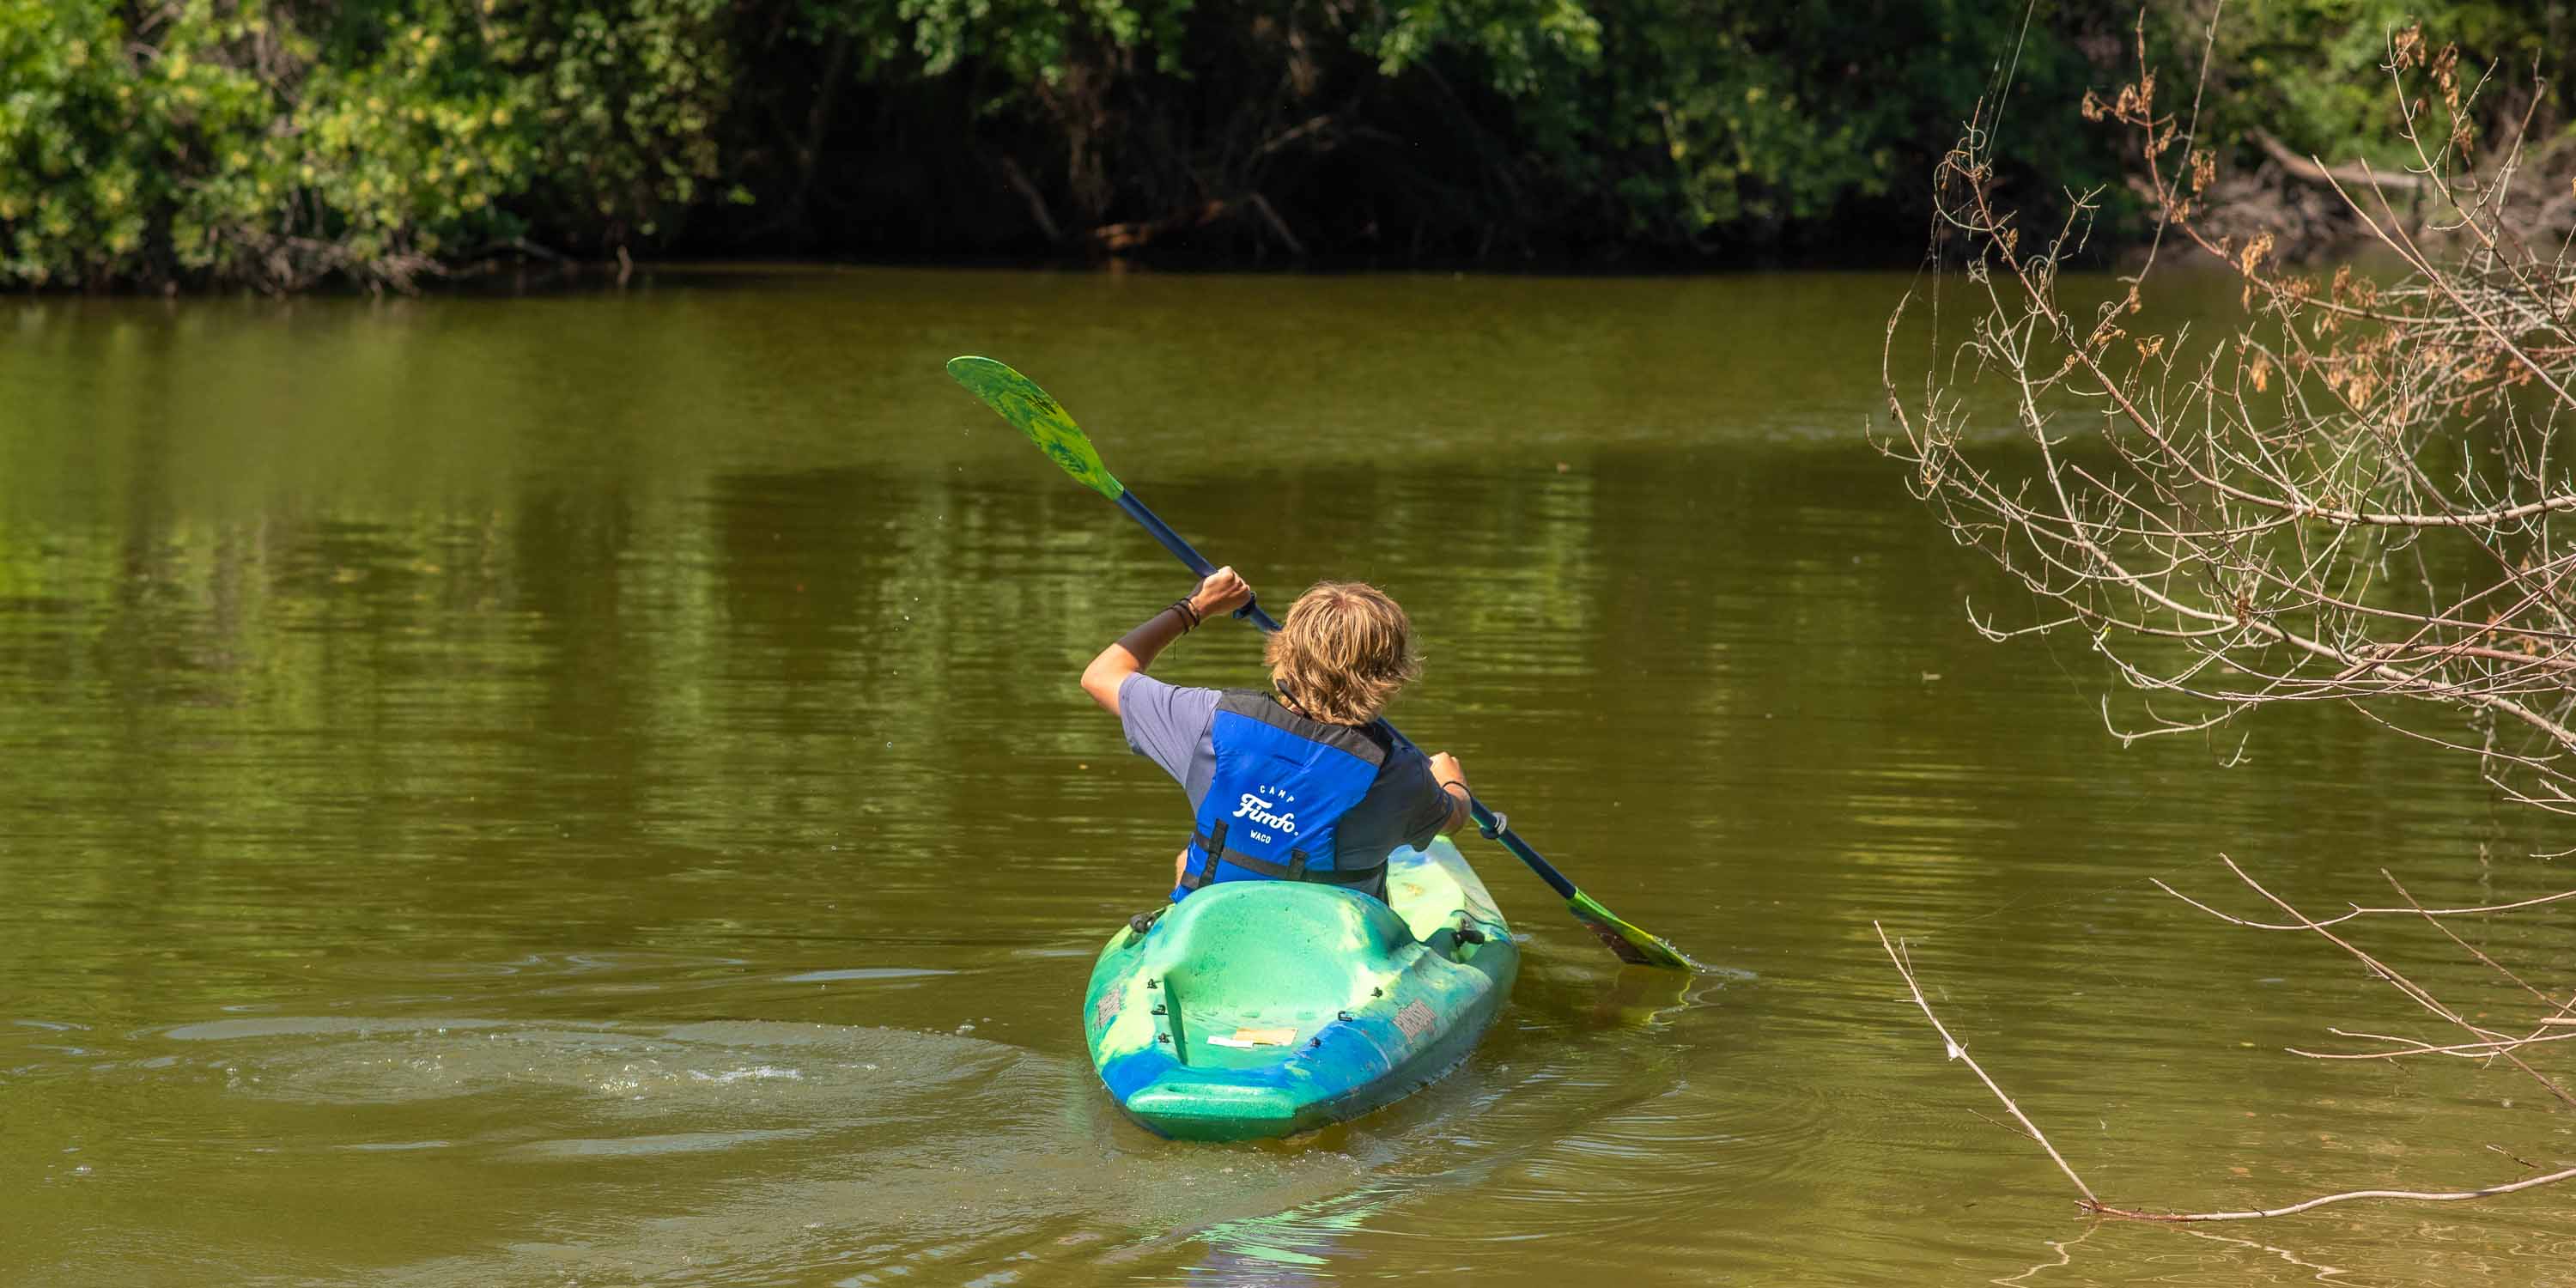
(242, 143)
(276, 143)
(629, 95)
(1528, 48)
(1021, 43)
(2315, 72)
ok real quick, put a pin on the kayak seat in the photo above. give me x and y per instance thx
(1217, 940)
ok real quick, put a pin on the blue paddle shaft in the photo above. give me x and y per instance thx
(1491, 822)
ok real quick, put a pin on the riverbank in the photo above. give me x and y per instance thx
(281, 146)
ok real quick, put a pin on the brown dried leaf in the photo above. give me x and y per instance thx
(2252, 256)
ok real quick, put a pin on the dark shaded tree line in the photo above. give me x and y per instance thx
(283, 143)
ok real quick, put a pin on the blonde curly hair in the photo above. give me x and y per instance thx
(1343, 652)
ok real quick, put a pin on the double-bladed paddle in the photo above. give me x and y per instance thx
(1033, 413)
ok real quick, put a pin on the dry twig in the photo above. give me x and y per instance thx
(1957, 1051)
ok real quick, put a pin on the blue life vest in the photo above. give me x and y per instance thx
(1281, 785)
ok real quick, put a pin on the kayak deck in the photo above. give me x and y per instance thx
(1264, 1008)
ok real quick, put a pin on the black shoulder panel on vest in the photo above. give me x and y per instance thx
(1262, 707)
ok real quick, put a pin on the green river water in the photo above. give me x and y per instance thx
(590, 789)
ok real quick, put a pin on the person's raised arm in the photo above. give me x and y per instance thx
(1222, 592)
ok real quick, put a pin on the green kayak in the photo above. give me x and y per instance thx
(1264, 1008)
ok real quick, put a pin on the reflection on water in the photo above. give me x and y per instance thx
(591, 789)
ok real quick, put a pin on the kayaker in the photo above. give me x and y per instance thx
(1302, 782)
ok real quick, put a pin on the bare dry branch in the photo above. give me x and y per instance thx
(1960, 1053)
(2430, 1196)
(1957, 1051)
(2357, 491)
(2358, 496)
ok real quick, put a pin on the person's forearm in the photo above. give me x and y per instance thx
(1461, 804)
(1219, 592)
(1452, 778)
(1134, 651)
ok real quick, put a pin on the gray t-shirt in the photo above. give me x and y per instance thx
(1170, 726)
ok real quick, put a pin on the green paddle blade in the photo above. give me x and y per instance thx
(1033, 413)
(1633, 946)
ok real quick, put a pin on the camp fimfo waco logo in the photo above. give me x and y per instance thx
(1260, 809)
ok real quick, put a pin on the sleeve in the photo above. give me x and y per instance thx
(1164, 722)
(1424, 807)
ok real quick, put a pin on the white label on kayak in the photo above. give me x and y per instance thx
(1254, 1038)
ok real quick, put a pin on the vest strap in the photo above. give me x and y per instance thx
(1213, 846)
(1292, 872)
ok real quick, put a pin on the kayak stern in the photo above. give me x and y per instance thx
(1265, 1008)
